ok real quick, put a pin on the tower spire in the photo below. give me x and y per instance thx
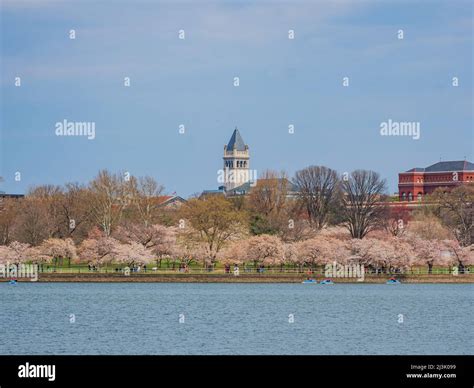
(236, 161)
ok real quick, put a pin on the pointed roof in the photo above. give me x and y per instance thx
(236, 141)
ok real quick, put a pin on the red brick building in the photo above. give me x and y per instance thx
(414, 184)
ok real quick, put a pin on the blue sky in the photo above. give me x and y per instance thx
(190, 82)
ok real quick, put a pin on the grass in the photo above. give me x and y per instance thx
(219, 270)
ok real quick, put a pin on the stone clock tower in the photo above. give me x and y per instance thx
(236, 162)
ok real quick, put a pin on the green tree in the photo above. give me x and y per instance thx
(215, 221)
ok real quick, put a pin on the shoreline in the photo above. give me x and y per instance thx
(247, 278)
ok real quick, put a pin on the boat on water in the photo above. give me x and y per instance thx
(326, 281)
(13, 281)
(310, 281)
(393, 281)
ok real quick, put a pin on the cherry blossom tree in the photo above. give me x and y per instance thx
(98, 251)
(131, 254)
(163, 246)
(58, 249)
(389, 254)
(185, 246)
(264, 249)
(372, 252)
(426, 234)
(404, 256)
(234, 253)
(150, 236)
(19, 252)
(291, 253)
(37, 256)
(5, 254)
(461, 255)
(430, 252)
(337, 232)
(322, 250)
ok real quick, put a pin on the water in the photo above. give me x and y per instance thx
(139, 318)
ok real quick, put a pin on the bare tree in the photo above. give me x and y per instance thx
(363, 209)
(270, 193)
(76, 211)
(145, 192)
(319, 193)
(110, 195)
(33, 224)
(68, 209)
(8, 214)
(7, 218)
(456, 210)
(395, 220)
(268, 203)
(49, 197)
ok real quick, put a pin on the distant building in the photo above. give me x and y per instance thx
(237, 176)
(170, 201)
(219, 191)
(414, 184)
(282, 183)
(4, 195)
(236, 162)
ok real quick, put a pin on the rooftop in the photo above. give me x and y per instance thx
(246, 187)
(453, 165)
(236, 142)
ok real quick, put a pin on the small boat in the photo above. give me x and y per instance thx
(393, 281)
(309, 281)
(327, 281)
(13, 281)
